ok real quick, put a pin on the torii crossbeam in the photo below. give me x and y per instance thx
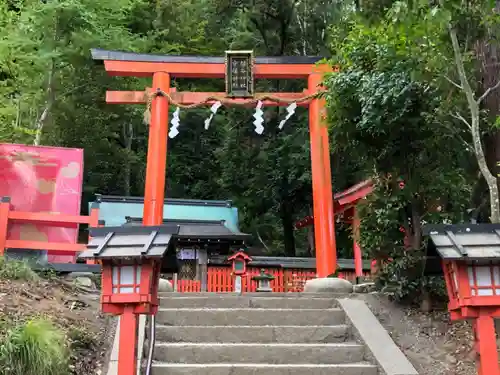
(162, 68)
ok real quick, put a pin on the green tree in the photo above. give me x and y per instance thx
(387, 113)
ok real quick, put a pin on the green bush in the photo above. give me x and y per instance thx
(16, 270)
(35, 347)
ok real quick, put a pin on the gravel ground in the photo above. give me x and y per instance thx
(433, 344)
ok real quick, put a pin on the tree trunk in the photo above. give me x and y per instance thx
(488, 57)
(49, 102)
(475, 129)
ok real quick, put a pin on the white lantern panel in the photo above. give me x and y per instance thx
(482, 284)
(126, 279)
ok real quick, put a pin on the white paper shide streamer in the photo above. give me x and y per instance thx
(290, 111)
(176, 121)
(213, 109)
(259, 119)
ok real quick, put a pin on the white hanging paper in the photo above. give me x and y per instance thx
(259, 119)
(213, 109)
(176, 121)
(291, 110)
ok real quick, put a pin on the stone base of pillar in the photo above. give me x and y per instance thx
(264, 289)
(328, 285)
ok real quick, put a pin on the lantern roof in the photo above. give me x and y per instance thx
(466, 242)
(129, 242)
(239, 254)
(263, 276)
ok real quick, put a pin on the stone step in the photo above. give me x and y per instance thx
(259, 353)
(253, 334)
(253, 294)
(232, 301)
(361, 368)
(249, 317)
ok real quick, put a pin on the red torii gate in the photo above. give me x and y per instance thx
(162, 68)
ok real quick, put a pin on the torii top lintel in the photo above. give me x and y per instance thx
(119, 63)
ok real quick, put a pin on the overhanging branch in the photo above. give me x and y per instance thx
(461, 118)
(488, 91)
(454, 83)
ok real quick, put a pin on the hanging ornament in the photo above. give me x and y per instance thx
(259, 119)
(213, 109)
(176, 121)
(291, 110)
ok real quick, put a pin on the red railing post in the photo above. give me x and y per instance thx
(4, 222)
(93, 223)
(358, 258)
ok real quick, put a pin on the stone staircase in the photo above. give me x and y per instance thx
(256, 334)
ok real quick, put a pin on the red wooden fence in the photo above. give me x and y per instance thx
(220, 280)
(188, 286)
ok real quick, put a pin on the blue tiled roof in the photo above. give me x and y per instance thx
(115, 209)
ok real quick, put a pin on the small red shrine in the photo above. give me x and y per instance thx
(239, 261)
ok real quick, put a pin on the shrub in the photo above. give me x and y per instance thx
(35, 347)
(16, 270)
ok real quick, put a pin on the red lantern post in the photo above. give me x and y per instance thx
(239, 260)
(471, 265)
(131, 259)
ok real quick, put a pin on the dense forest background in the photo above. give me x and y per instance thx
(415, 107)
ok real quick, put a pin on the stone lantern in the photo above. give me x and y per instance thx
(470, 261)
(263, 281)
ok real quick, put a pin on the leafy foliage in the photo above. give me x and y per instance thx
(386, 101)
(35, 347)
(393, 109)
(16, 270)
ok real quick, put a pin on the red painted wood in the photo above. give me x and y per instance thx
(4, 225)
(204, 70)
(486, 345)
(323, 210)
(127, 363)
(48, 218)
(154, 191)
(286, 280)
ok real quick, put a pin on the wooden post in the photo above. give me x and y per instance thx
(4, 222)
(93, 223)
(358, 258)
(127, 352)
(203, 264)
(324, 224)
(154, 192)
(485, 345)
(154, 196)
(175, 280)
(238, 284)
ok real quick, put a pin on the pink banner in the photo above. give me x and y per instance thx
(42, 179)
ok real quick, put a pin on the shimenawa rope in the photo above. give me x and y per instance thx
(223, 100)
